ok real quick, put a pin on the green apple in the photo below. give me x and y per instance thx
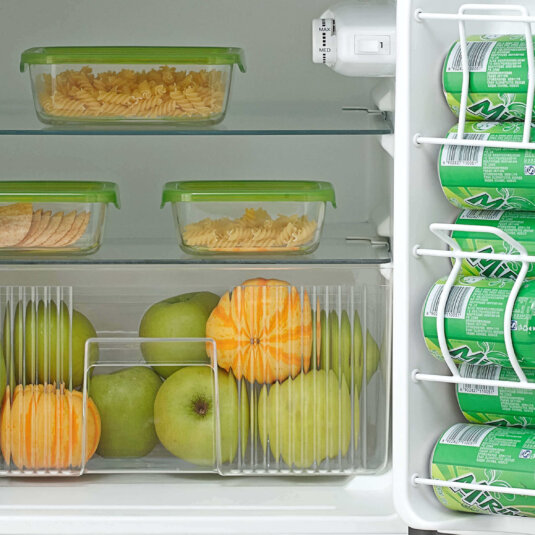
(41, 344)
(182, 316)
(340, 344)
(125, 401)
(335, 351)
(185, 415)
(3, 376)
(373, 354)
(306, 419)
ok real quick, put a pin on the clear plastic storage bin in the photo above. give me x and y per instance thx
(180, 85)
(301, 390)
(276, 216)
(54, 217)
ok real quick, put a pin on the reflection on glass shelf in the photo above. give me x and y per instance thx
(266, 118)
(334, 248)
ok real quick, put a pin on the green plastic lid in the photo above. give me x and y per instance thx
(59, 191)
(248, 190)
(164, 55)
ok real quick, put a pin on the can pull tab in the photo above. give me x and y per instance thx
(324, 41)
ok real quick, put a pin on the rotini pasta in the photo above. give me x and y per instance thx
(255, 231)
(158, 93)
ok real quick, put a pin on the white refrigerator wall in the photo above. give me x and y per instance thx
(281, 79)
(422, 411)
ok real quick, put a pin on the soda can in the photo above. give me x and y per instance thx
(498, 81)
(502, 457)
(488, 178)
(496, 405)
(474, 319)
(519, 225)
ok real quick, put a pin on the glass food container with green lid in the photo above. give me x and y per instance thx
(64, 217)
(248, 216)
(131, 84)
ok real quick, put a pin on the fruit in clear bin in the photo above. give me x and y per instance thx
(38, 357)
(41, 428)
(336, 343)
(306, 419)
(182, 316)
(262, 330)
(3, 375)
(373, 356)
(125, 401)
(185, 415)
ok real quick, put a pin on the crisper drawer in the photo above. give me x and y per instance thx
(230, 371)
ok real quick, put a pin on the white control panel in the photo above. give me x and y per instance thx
(357, 38)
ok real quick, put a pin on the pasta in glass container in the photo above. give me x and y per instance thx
(131, 84)
(248, 217)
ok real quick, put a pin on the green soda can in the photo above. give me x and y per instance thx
(498, 82)
(474, 319)
(496, 405)
(488, 178)
(519, 225)
(485, 455)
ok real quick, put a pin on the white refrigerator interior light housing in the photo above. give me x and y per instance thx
(357, 38)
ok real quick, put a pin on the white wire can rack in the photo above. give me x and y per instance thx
(443, 232)
(491, 13)
(515, 14)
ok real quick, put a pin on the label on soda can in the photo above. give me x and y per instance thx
(498, 84)
(496, 405)
(485, 455)
(474, 321)
(519, 225)
(488, 178)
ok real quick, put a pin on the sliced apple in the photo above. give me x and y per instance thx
(306, 419)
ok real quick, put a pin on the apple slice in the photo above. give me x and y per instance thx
(306, 419)
(86, 216)
(79, 221)
(36, 219)
(49, 231)
(62, 230)
(43, 224)
(15, 222)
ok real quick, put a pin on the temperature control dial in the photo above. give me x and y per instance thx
(324, 41)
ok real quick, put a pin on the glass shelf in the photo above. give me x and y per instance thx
(334, 248)
(266, 118)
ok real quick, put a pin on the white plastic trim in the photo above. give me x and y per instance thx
(461, 17)
(442, 231)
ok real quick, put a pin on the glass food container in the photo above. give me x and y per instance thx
(62, 217)
(123, 84)
(246, 216)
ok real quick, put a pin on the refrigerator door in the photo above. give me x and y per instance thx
(423, 410)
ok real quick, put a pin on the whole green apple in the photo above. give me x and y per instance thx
(306, 419)
(182, 316)
(185, 415)
(37, 354)
(373, 354)
(125, 401)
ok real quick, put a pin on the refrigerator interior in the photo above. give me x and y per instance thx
(285, 121)
(425, 409)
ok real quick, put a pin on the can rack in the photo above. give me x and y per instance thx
(516, 14)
